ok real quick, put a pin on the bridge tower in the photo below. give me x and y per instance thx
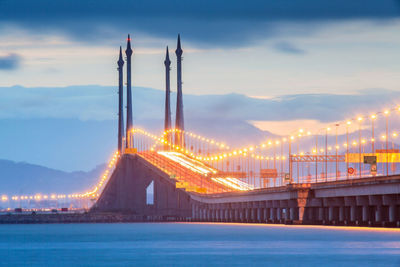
(120, 102)
(167, 121)
(179, 122)
(128, 52)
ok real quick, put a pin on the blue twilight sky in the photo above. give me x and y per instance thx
(270, 50)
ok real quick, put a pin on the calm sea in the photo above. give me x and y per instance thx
(195, 244)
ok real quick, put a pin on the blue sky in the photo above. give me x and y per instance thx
(261, 49)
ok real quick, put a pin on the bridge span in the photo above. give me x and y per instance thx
(370, 201)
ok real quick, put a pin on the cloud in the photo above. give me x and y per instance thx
(9, 62)
(94, 102)
(293, 126)
(288, 48)
(31, 119)
(211, 22)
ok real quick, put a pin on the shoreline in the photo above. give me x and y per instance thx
(95, 217)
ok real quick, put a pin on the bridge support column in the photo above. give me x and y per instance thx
(392, 213)
(365, 217)
(341, 213)
(330, 213)
(272, 214)
(378, 214)
(301, 215)
(292, 213)
(321, 214)
(353, 213)
(266, 212)
(278, 214)
(197, 213)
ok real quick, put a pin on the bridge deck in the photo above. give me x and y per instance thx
(187, 178)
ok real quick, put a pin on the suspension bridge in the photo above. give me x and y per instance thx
(344, 173)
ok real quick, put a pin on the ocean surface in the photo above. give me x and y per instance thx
(196, 244)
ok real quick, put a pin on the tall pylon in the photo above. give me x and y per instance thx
(179, 122)
(129, 124)
(167, 120)
(120, 103)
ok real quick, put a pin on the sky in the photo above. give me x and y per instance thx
(257, 48)
(312, 54)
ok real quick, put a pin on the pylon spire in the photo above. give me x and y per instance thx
(129, 124)
(167, 120)
(120, 63)
(179, 122)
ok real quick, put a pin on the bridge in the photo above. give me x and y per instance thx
(345, 173)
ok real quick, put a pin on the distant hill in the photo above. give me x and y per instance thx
(24, 178)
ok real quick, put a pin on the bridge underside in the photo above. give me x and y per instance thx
(364, 202)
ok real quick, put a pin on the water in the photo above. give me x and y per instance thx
(190, 244)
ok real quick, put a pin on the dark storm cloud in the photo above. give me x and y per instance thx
(9, 62)
(211, 22)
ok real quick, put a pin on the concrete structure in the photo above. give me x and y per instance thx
(129, 123)
(120, 102)
(167, 119)
(128, 191)
(364, 202)
(179, 122)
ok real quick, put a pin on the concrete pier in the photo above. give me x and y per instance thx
(364, 202)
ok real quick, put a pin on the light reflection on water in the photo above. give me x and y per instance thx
(192, 244)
